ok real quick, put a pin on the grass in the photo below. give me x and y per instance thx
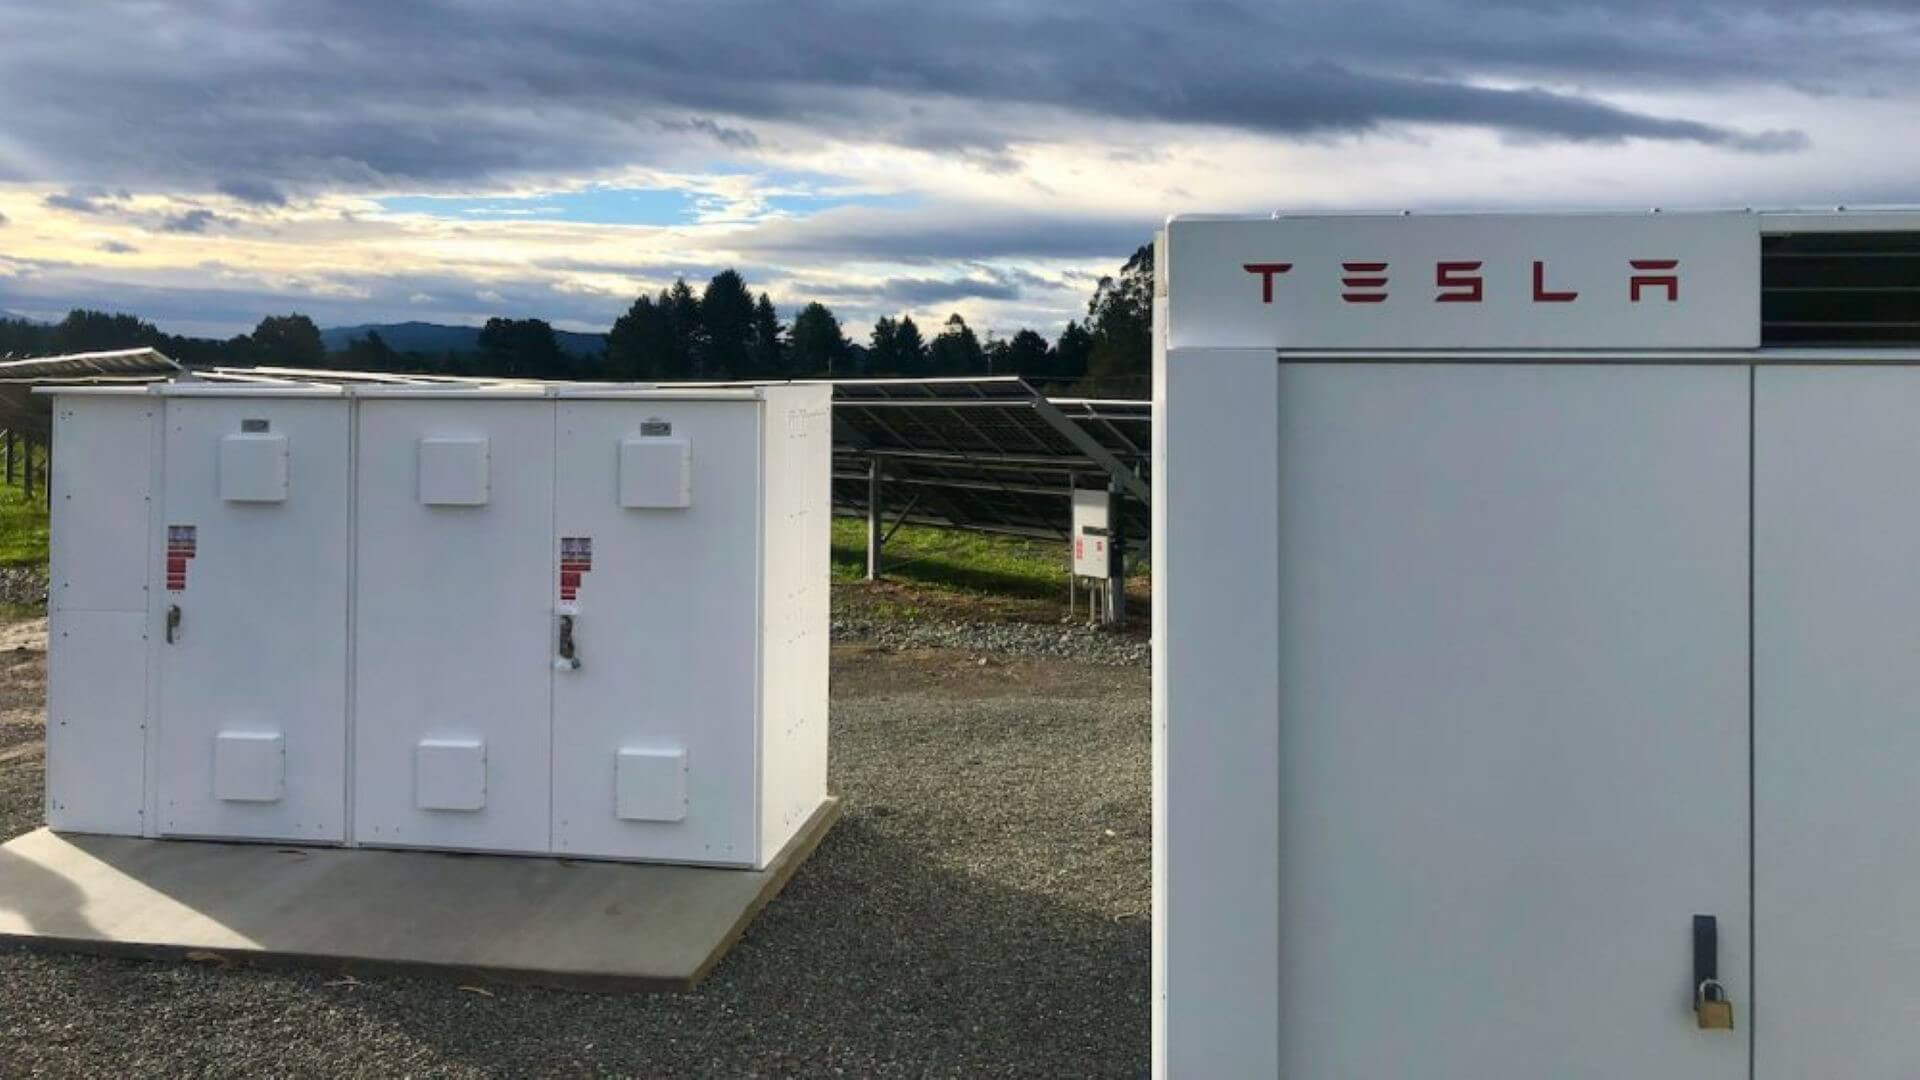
(23, 528)
(948, 560)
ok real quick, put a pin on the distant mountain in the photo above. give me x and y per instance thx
(431, 338)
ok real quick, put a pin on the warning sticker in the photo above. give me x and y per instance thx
(576, 558)
(182, 543)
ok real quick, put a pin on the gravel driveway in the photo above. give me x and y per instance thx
(981, 910)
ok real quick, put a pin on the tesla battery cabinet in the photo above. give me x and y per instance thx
(1558, 716)
(580, 621)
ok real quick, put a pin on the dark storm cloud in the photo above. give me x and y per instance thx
(258, 192)
(190, 221)
(88, 200)
(913, 292)
(253, 98)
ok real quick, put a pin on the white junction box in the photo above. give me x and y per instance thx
(588, 621)
(1534, 623)
(1093, 533)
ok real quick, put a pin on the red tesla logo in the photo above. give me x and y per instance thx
(1460, 281)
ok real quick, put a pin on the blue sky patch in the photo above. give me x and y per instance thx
(593, 206)
(792, 194)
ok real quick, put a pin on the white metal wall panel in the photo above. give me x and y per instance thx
(1836, 732)
(1215, 959)
(667, 632)
(97, 662)
(105, 447)
(798, 501)
(261, 642)
(96, 721)
(454, 626)
(1513, 720)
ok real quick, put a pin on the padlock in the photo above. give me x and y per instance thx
(1711, 1007)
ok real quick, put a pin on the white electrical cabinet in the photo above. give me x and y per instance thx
(1092, 533)
(585, 621)
(1532, 643)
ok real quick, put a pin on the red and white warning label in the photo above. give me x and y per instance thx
(576, 558)
(182, 542)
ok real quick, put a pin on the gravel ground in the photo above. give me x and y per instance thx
(23, 586)
(981, 910)
(1071, 641)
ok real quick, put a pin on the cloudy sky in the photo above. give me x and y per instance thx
(203, 164)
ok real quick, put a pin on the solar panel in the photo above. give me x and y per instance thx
(25, 413)
(987, 454)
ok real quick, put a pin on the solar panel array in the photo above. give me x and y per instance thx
(986, 454)
(25, 413)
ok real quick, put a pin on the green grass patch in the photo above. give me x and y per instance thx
(956, 561)
(23, 528)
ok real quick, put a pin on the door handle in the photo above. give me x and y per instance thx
(173, 621)
(567, 649)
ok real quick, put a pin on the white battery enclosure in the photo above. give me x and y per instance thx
(443, 617)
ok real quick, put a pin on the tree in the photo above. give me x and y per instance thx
(97, 331)
(681, 310)
(1026, 354)
(522, 349)
(288, 341)
(20, 337)
(817, 345)
(883, 348)
(370, 353)
(640, 345)
(726, 319)
(1071, 353)
(957, 350)
(909, 349)
(766, 352)
(1121, 318)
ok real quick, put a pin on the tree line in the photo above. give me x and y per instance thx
(719, 332)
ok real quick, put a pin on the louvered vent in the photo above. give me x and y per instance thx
(1851, 288)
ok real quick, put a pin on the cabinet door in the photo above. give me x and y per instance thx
(657, 536)
(1836, 721)
(454, 616)
(253, 681)
(1513, 719)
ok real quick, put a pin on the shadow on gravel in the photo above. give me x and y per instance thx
(873, 960)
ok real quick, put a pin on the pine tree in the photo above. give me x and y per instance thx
(909, 349)
(640, 344)
(766, 352)
(883, 348)
(1071, 353)
(817, 346)
(726, 319)
(957, 350)
(681, 311)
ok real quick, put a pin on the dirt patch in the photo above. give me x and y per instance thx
(23, 681)
(869, 670)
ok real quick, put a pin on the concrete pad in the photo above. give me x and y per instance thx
(565, 923)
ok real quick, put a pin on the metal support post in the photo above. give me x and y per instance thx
(873, 519)
(1117, 563)
(26, 472)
